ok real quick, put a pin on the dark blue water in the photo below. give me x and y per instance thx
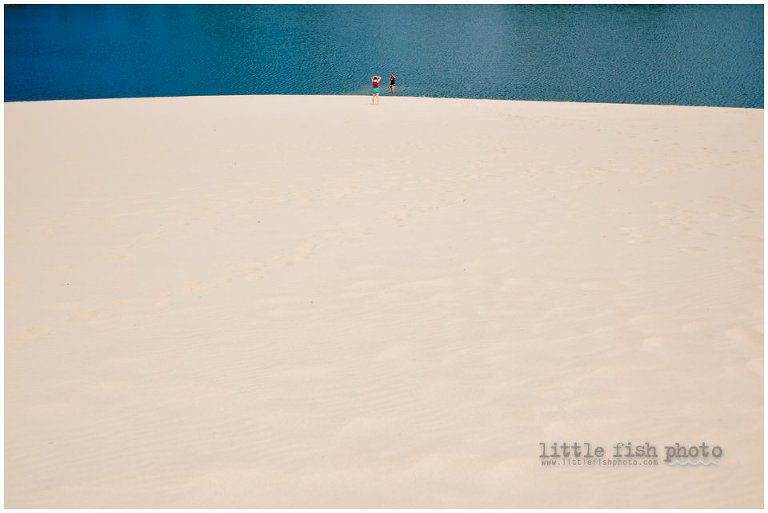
(662, 54)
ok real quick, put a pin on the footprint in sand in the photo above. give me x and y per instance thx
(26, 336)
(641, 320)
(747, 265)
(93, 314)
(755, 365)
(692, 327)
(744, 334)
(653, 343)
(249, 271)
(366, 285)
(635, 236)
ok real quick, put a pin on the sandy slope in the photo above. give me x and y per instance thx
(310, 301)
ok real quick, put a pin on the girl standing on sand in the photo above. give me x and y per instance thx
(375, 95)
(392, 83)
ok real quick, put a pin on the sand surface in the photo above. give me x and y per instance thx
(311, 301)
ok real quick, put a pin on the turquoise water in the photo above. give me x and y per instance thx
(660, 54)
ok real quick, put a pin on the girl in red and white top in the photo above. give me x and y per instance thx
(375, 95)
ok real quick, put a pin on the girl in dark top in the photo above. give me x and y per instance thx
(392, 83)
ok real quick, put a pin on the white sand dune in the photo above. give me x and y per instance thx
(311, 301)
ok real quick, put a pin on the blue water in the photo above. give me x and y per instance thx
(661, 54)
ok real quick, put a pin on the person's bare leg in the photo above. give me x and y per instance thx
(373, 98)
(392, 88)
